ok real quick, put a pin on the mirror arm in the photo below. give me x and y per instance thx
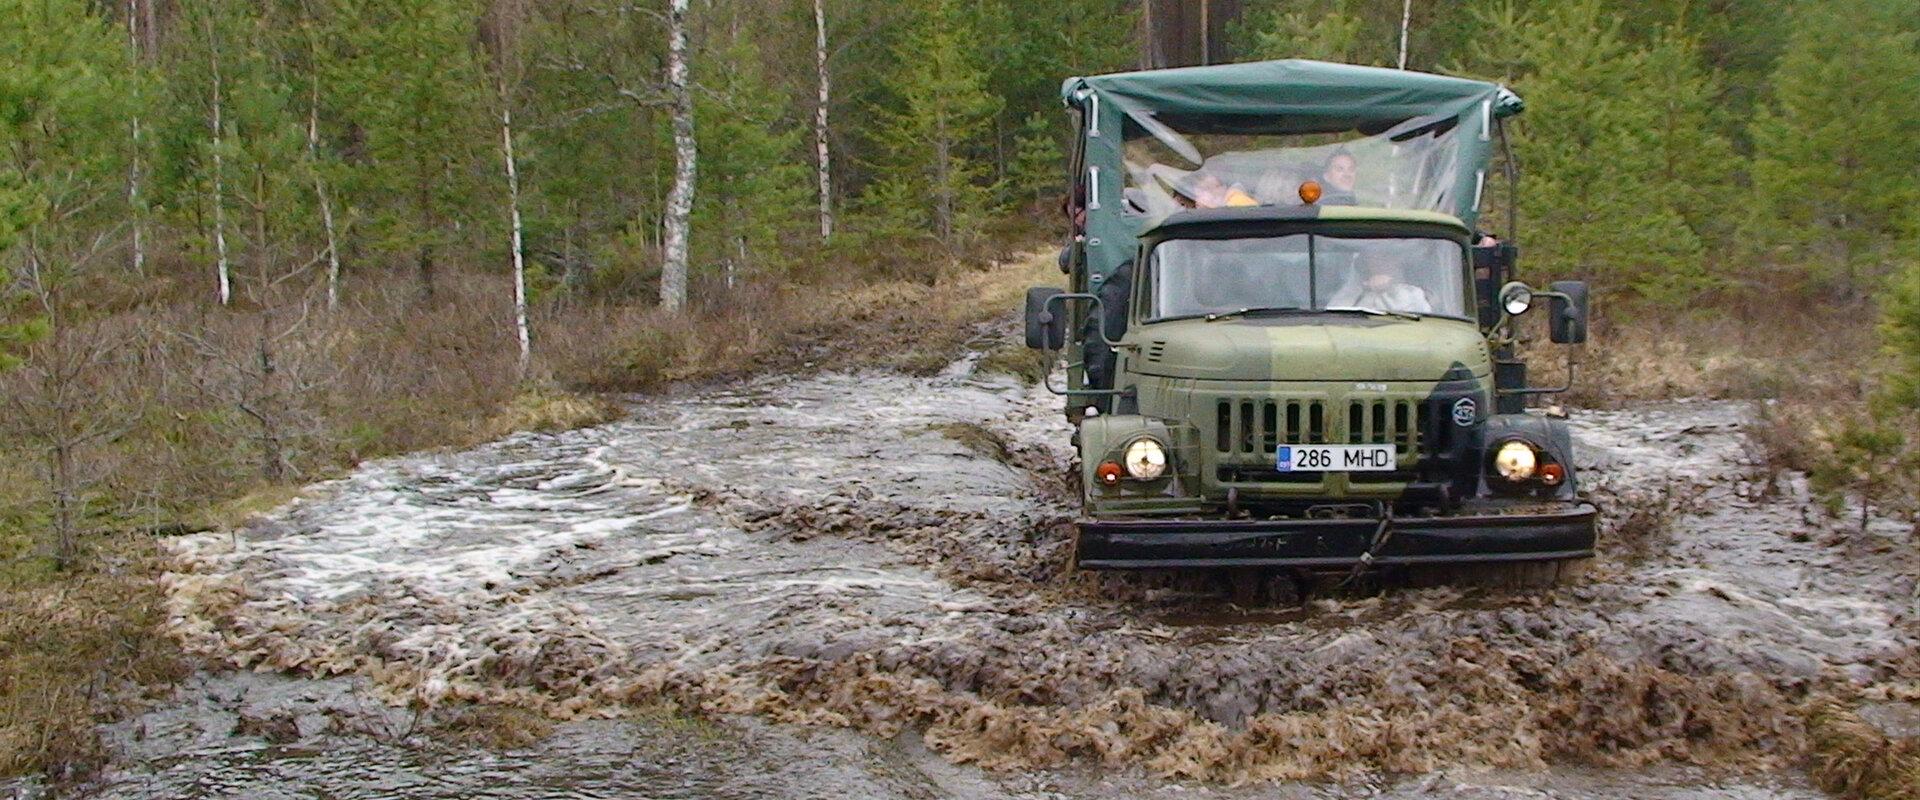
(1532, 390)
(1506, 317)
(1048, 382)
(1099, 319)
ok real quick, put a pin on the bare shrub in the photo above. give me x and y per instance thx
(68, 651)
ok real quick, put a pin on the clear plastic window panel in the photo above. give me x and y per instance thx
(1412, 165)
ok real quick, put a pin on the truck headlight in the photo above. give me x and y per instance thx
(1145, 459)
(1516, 461)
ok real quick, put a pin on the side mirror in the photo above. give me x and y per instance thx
(1515, 298)
(1046, 321)
(1567, 312)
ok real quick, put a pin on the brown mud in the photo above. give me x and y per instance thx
(883, 560)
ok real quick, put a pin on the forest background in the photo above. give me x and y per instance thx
(250, 243)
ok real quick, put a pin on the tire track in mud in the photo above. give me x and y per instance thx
(887, 553)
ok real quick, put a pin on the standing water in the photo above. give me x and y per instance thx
(860, 581)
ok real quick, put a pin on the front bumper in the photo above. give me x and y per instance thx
(1537, 535)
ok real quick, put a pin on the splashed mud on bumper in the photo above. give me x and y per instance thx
(1563, 533)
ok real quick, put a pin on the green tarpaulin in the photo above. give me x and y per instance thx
(1440, 131)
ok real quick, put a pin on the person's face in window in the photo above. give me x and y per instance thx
(1340, 173)
(1379, 274)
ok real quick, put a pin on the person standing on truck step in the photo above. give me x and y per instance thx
(1112, 316)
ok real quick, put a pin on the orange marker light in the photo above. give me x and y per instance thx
(1109, 473)
(1552, 474)
(1310, 192)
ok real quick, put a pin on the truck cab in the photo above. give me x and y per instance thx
(1269, 368)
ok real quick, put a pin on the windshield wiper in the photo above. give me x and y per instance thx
(1376, 312)
(1256, 310)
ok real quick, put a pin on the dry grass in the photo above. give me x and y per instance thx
(1744, 350)
(977, 438)
(495, 727)
(906, 325)
(72, 652)
(1852, 758)
(547, 410)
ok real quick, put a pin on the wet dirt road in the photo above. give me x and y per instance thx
(861, 577)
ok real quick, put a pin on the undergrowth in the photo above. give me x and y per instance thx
(375, 379)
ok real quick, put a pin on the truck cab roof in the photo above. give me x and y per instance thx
(1208, 221)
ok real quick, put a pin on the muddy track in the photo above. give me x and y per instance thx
(888, 554)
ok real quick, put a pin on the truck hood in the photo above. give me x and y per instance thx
(1311, 347)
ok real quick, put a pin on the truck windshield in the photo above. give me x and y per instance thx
(1308, 272)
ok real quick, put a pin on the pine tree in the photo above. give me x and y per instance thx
(1901, 333)
(927, 130)
(1834, 175)
(66, 92)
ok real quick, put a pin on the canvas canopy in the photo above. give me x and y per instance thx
(1159, 141)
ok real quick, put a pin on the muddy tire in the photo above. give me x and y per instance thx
(1521, 575)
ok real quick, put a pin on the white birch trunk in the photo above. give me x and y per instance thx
(134, 168)
(673, 267)
(519, 258)
(820, 118)
(219, 187)
(1406, 21)
(320, 193)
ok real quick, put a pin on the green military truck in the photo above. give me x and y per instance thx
(1289, 345)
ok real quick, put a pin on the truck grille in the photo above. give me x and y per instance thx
(1254, 427)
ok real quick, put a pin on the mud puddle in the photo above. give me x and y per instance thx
(881, 558)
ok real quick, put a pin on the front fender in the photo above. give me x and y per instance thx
(1551, 435)
(1105, 438)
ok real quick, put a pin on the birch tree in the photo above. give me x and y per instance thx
(824, 82)
(507, 18)
(222, 275)
(136, 160)
(316, 161)
(673, 264)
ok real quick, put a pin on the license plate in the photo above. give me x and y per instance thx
(1334, 458)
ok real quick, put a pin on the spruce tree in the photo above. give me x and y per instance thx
(1038, 162)
(1834, 175)
(755, 189)
(1326, 31)
(1616, 147)
(1027, 49)
(414, 98)
(928, 130)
